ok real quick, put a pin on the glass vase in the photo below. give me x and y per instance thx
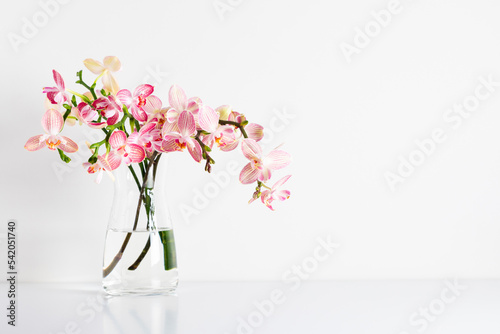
(139, 252)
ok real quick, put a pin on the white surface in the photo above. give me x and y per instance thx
(350, 123)
(339, 307)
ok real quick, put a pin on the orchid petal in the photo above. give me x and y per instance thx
(229, 147)
(172, 115)
(59, 80)
(52, 122)
(169, 127)
(194, 149)
(35, 143)
(186, 124)
(67, 145)
(254, 131)
(117, 139)
(144, 90)
(109, 83)
(153, 104)
(94, 66)
(136, 153)
(113, 119)
(193, 104)
(280, 182)
(147, 128)
(97, 125)
(111, 161)
(248, 174)
(264, 174)
(208, 119)
(282, 195)
(112, 63)
(125, 97)
(223, 111)
(277, 159)
(138, 113)
(177, 98)
(169, 143)
(251, 150)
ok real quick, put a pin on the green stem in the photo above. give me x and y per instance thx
(238, 125)
(135, 176)
(167, 240)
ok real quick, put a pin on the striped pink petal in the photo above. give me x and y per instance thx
(138, 113)
(264, 174)
(113, 119)
(208, 119)
(254, 131)
(193, 104)
(144, 90)
(52, 122)
(59, 80)
(230, 146)
(251, 150)
(118, 139)
(135, 153)
(280, 182)
(35, 143)
(169, 144)
(95, 125)
(277, 159)
(281, 195)
(194, 149)
(67, 145)
(153, 104)
(248, 174)
(172, 115)
(186, 124)
(125, 97)
(111, 161)
(177, 98)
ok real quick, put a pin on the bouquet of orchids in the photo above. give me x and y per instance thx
(137, 129)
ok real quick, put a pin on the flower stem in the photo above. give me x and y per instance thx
(118, 256)
(237, 124)
(166, 245)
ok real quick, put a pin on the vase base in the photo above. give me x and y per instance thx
(140, 291)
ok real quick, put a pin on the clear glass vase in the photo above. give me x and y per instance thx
(139, 252)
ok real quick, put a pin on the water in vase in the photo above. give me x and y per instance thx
(147, 265)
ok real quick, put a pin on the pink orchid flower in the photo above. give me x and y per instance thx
(52, 123)
(178, 141)
(179, 103)
(268, 196)
(144, 137)
(110, 64)
(222, 135)
(104, 164)
(128, 152)
(157, 114)
(260, 168)
(108, 107)
(89, 116)
(58, 94)
(135, 102)
(253, 130)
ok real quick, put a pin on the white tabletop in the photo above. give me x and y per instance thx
(333, 307)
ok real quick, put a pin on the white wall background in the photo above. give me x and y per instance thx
(350, 122)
